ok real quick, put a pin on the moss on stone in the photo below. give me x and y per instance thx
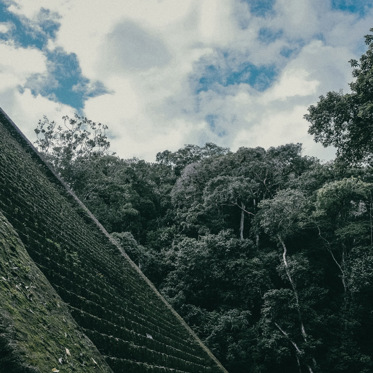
(115, 305)
(37, 331)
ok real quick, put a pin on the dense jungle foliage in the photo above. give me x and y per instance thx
(267, 254)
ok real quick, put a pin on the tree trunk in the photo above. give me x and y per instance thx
(340, 267)
(298, 352)
(288, 274)
(296, 296)
(242, 221)
(371, 219)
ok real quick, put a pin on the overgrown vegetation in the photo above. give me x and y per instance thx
(267, 254)
(131, 326)
(37, 332)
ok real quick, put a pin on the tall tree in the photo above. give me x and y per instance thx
(75, 138)
(346, 120)
(231, 191)
(280, 217)
(188, 155)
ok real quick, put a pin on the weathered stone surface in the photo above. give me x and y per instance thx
(37, 331)
(128, 321)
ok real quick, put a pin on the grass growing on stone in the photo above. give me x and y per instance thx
(37, 332)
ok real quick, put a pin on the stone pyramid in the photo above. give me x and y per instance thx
(71, 300)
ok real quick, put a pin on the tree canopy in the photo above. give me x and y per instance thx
(266, 253)
(346, 120)
(77, 137)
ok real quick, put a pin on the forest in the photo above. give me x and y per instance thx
(266, 253)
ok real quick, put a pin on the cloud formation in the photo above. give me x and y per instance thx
(130, 47)
(165, 73)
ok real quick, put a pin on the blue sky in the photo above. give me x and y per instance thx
(162, 74)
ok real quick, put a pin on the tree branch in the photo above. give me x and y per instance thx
(300, 353)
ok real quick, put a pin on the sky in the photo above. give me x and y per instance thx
(165, 73)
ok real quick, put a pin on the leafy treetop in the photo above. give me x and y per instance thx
(346, 120)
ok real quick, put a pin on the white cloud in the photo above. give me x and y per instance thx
(294, 82)
(122, 104)
(146, 53)
(17, 66)
(25, 109)
(130, 47)
(19, 63)
(216, 24)
(300, 18)
(5, 27)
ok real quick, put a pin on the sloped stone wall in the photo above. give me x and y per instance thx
(131, 325)
(37, 332)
